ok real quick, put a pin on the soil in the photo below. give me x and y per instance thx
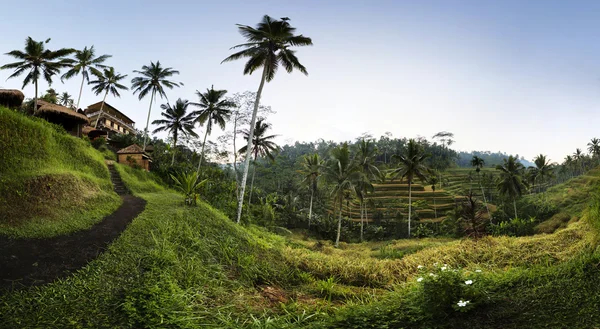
(28, 262)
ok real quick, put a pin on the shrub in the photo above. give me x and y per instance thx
(514, 227)
(99, 143)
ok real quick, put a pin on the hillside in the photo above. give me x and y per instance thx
(59, 182)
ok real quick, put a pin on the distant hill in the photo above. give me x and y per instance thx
(491, 158)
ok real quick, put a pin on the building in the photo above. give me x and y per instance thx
(73, 121)
(109, 119)
(134, 156)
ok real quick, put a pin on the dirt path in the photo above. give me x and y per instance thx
(27, 262)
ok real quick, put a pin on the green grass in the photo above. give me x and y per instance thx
(139, 181)
(51, 183)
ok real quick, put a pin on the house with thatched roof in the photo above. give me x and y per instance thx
(109, 119)
(11, 98)
(134, 156)
(71, 120)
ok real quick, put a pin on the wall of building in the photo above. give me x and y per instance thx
(134, 159)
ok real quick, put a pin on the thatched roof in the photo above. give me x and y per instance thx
(96, 107)
(92, 132)
(133, 149)
(11, 98)
(48, 109)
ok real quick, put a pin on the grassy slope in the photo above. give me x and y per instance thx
(59, 183)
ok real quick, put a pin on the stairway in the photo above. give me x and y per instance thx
(118, 184)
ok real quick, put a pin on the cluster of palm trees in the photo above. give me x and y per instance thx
(268, 46)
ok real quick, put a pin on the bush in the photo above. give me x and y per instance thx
(514, 227)
(99, 143)
(444, 291)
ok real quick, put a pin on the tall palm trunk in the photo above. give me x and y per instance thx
(148, 121)
(409, 204)
(174, 147)
(251, 186)
(237, 178)
(80, 89)
(203, 144)
(515, 207)
(35, 97)
(434, 208)
(312, 192)
(101, 108)
(249, 146)
(484, 200)
(339, 228)
(361, 221)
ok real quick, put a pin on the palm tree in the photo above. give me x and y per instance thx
(268, 46)
(262, 145)
(543, 169)
(510, 181)
(214, 110)
(569, 163)
(342, 173)
(152, 80)
(108, 82)
(366, 156)
(578, 156)
(594, 148)
(311, 169)
(37, 61)
(411, 166)
(65, 99)
(86, 63)
(176, 121)
(433, 180)
(478, 163)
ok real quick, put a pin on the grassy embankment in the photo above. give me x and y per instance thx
(179, 267)
(50, 183)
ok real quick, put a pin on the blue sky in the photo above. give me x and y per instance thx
(517, 76)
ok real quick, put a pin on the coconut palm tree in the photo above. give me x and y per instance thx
(433, 180)
(478, 163)
(214, 109)
(153, 80)
(510, 182)
(262, 145)
(65, 99)
(342, 173)
(176, 121)
(311, 169)
(594, 148)
(412, 166)
(268, 46)
(366, 155)
(106, 82)
(38, 62)
(86, 63)
(579, 159)
(543, 169)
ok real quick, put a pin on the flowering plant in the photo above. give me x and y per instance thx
(444, 290)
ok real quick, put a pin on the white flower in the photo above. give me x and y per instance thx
(435, 264)
(431, 274)
(462, 303)
(468, 282)
(478, 271)
(419, 279)
(443, 268)
(420, 266)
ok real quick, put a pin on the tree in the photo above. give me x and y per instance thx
(543, 169)
(445, 137)
(65, 99)
(262, 145)
(478, 163)
(342, 173)
(153, 80)
(85, 63)
(107, 81)
(268, 46)
(579, 159)
(594, 149)
(433, 180)
(510, 181)
(311, 169)
(176, 121)
(37, 61)
(366, 155)
(411, 166)
(214, 109)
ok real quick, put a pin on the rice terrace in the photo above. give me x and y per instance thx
(327, 165)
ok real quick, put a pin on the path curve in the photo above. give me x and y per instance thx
(28, 262)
